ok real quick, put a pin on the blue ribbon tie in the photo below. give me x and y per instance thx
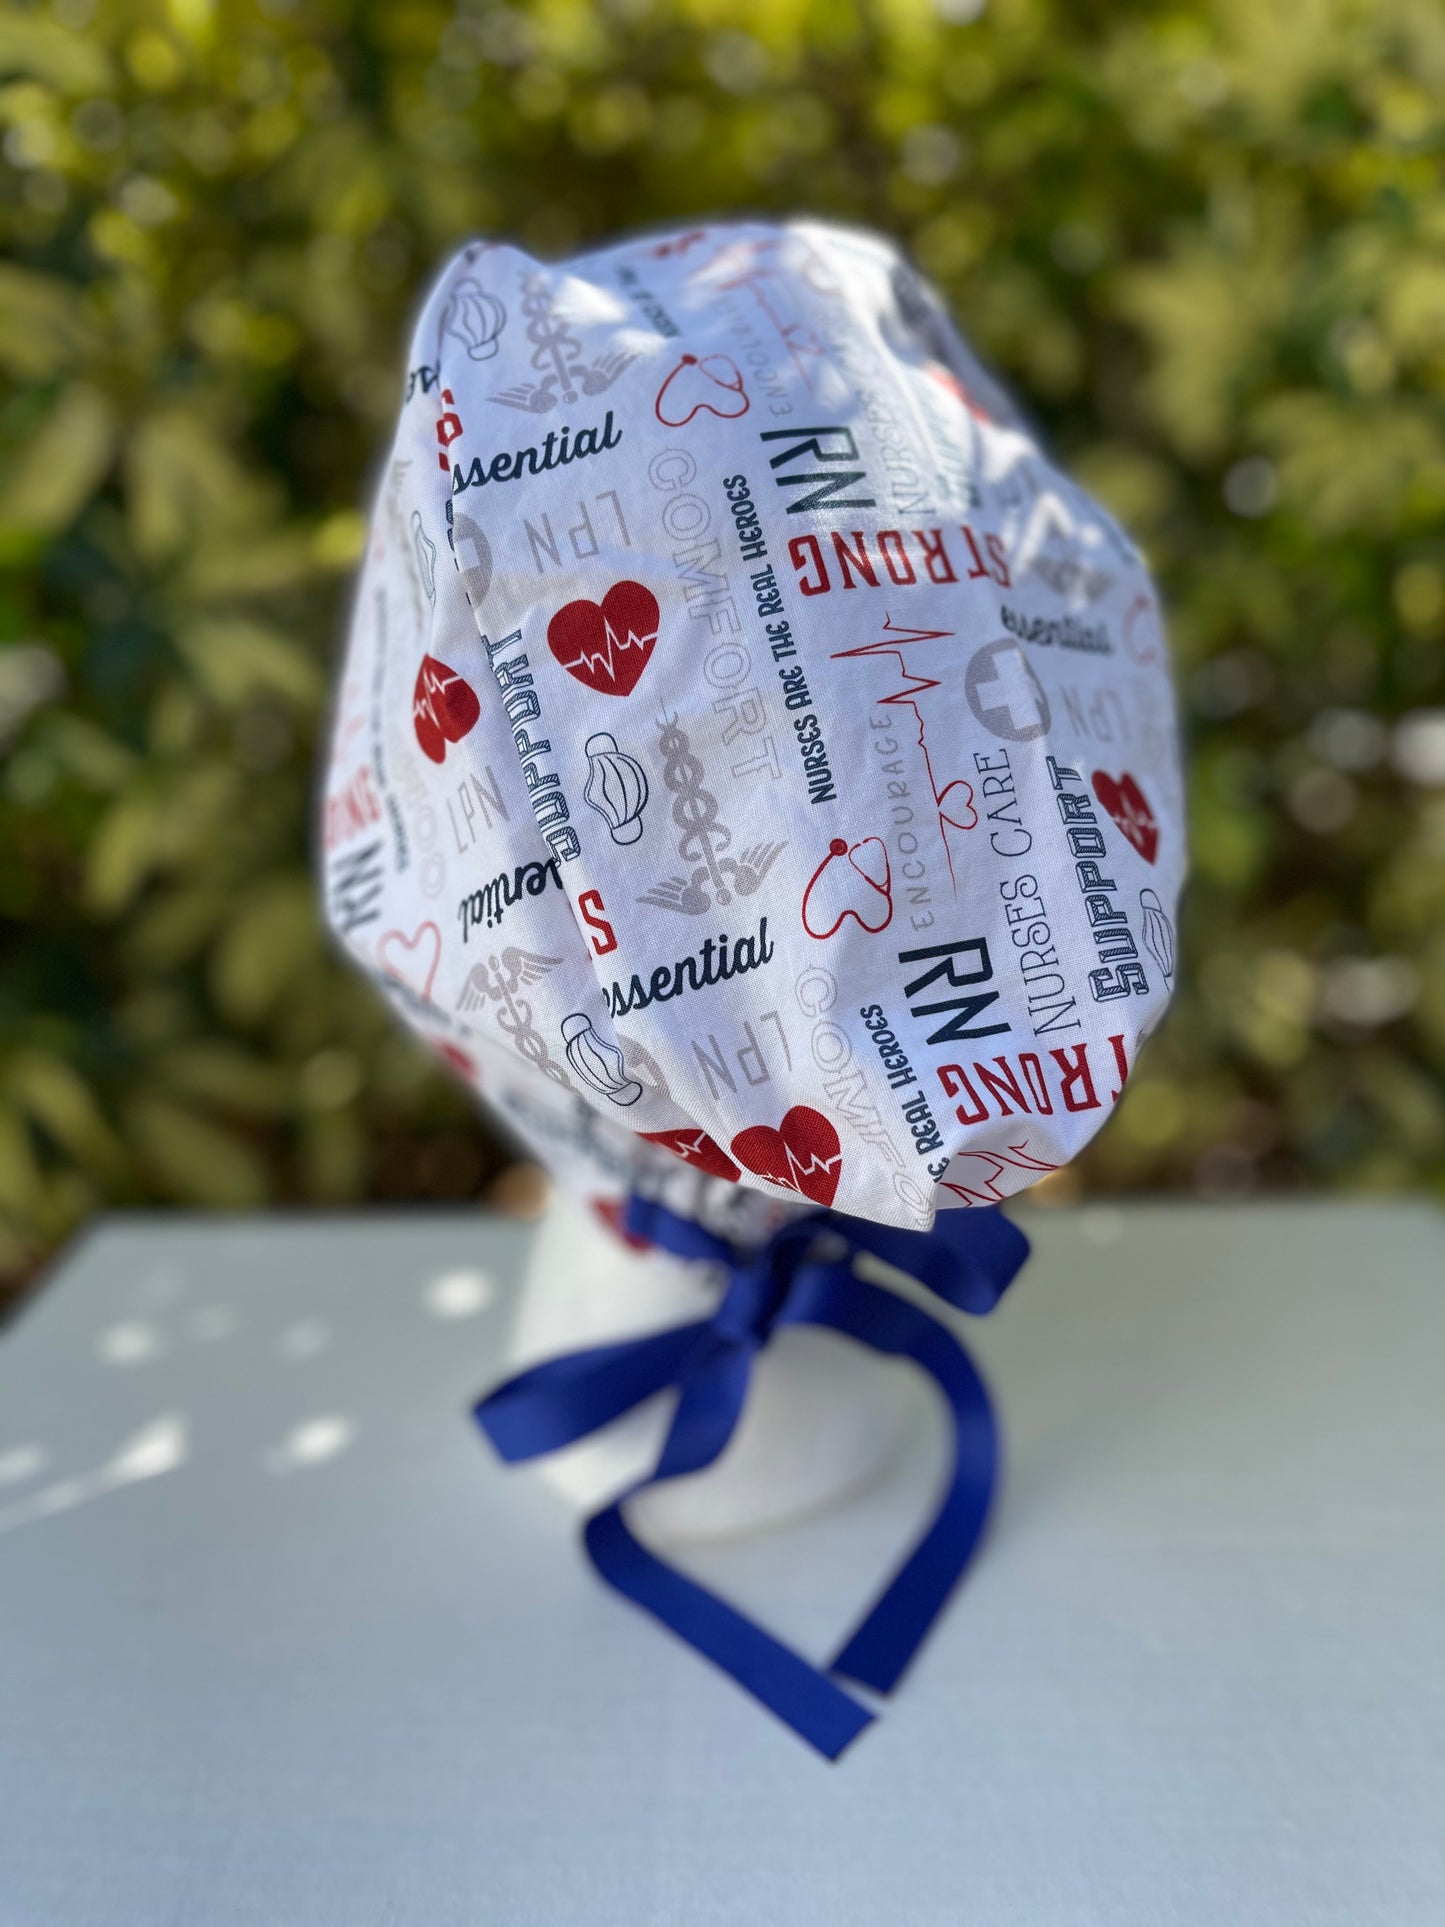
(803, 1275)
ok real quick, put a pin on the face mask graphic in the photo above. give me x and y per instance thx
(616, 787)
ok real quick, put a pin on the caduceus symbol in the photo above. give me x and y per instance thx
(694, 810)
(498, 982)
(557, 357)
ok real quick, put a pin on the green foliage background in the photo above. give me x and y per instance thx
(1205, 241)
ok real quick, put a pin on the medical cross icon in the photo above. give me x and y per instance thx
(1005, 694)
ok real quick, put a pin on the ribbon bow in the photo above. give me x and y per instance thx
(803, 1275)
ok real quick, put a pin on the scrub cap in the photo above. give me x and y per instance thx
(754, 768)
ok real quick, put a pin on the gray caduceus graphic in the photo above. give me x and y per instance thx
(499, 981)
(557, 357)
(717, 877)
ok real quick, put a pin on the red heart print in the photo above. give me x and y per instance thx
(1122, 797)
(695, 1147)
(714, 384)
(443, 708)
(412, 960)
(607, 644)
(955, 805)
(850, 882)
(803, 1153)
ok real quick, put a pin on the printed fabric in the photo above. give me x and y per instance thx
(755, 766)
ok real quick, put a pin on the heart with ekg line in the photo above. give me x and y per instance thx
(803, 1153)
(1122, 797)
(444, 708)
(606, 645)
(695, 1147)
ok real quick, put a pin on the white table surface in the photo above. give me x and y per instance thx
(281, 1644)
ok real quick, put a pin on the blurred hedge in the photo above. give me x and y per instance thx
(1208, 244)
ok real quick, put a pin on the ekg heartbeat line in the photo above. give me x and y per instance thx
(605, 657)
(954, 801)
(432, 687)
(815, 1166)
